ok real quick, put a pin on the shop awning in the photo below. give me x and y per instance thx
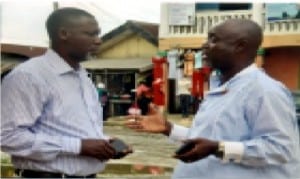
(140, 65)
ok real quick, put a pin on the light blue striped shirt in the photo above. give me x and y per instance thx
(46, 109)
(253, 110)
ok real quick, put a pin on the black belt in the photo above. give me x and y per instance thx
(42, 174)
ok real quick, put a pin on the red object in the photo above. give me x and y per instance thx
(206, 70)
(158, 94)
(158, 67)
(197, 83)
(158, 76)
(199, 77)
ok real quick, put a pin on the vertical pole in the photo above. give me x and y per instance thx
(164, 24)
(257, 13)
(55, 5)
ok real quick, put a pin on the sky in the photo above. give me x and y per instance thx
(111, 13)
(23, 21)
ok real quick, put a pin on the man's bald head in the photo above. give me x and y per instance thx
(247, 28)
(241, 29)
(232, 44)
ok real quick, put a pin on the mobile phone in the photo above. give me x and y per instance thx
(121, 148)
(185, 148)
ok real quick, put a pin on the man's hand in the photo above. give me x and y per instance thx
(154, 122)
(97, 148)
(121, 148)
(199, 148)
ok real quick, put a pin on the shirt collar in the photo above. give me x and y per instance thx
(224, 88)
(59, 65)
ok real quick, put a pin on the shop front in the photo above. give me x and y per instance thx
(120, 77)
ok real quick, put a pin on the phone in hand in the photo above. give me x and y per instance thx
(185, 148)
(121, 148)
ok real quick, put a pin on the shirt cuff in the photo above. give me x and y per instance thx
(71, 145)
(178, 133)
(233, 152)
(107, 138)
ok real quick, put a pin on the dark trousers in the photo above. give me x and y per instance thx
(105, 115)
(143, 103)
(42, 174)
(185, 100)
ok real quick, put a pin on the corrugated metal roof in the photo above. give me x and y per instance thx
(140, 65)
(146, 30)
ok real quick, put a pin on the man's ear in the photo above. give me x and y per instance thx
(241, 45)
(63, 33)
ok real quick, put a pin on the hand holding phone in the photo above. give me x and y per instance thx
(121, 148)
(185, 148)
(196, 149)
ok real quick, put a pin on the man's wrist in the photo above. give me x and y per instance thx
(220, 150)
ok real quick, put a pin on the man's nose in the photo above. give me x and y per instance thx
(98, 41)
(205, 45)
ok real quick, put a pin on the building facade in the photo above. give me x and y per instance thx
(281, 44)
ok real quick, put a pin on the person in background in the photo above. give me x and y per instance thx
(103, 99)
(246, 126)
(51, 122)
(184, 91)
(143, 97)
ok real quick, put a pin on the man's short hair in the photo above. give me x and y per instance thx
(61, 17)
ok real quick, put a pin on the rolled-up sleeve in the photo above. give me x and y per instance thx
(178, 133)
(23, 99)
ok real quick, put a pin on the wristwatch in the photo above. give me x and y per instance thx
(220, 151)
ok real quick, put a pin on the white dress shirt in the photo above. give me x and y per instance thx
(255, 116)
(47, 107)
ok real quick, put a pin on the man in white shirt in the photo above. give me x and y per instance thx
(246, 126)
(51, 119)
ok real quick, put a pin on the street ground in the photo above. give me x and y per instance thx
(152, 152)
(151, 159)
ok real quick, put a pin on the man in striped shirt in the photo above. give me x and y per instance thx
(51, 118)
